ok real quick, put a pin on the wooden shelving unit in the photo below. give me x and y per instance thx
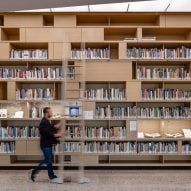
(114, 74)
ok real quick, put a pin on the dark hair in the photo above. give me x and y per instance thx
(45, 109)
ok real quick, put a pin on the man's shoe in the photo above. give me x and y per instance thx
(56, 180)
(31, 176)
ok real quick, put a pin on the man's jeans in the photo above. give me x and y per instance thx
(48, 159)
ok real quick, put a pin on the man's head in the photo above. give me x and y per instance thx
(47, 111)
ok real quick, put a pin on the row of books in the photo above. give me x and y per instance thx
(143, 112)
(68, 147)
(186, 147)
(106, 133)
(157, 147)
(73, 132)
(19, 132)
(123, 147)
(105, 94)
(36, 73)
(145, 53)
(7, 147)
(165, 73)
(29, 54)
(36, 94)
(180, 52)
(159, 53)
(165, 94)
(110, 147)
(90, 53)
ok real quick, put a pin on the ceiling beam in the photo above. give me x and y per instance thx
(18, 5)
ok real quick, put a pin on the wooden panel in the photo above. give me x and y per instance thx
(3, 94)
(108, 71)
(23, 20)
(67, 35)
(86, 159)
(139, 33)
(132, 135)
(93, 34)
(62, 50)
(133, 91)
(65, 20)
(22, 34)
(89, 106)
(33, 147)
(162, 21)
(21, 147)
(178, 20)
(73, 94)
(73, 86)
(44, 34)
(11, 90)
(5, 160)
(122, 50)
(4, 50)
(50, 51)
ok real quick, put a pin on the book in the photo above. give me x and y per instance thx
(115, 112)
(89, 53)
(175, 112)
(120, 112)
(145, 53)
(129, 39)
(152, 135)
(165, 94)
(106, 132)
(186, 147)
(19, 132)
(187, 133)
(178, 53)
(35, 94)
(105, 94)
(174, 135)
(29, 54)
(110, 147)
(149, 38)
(7, 147)
(67, 147)
(72, 132)
(157, 147)
(163, 73)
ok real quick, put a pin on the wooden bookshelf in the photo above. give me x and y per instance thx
(113, 78)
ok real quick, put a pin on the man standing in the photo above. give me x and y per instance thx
(49, 136)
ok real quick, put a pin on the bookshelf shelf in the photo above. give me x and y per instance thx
(10, 34)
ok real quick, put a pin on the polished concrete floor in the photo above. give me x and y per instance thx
(102, 181)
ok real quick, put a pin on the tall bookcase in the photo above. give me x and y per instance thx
(137, 79)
